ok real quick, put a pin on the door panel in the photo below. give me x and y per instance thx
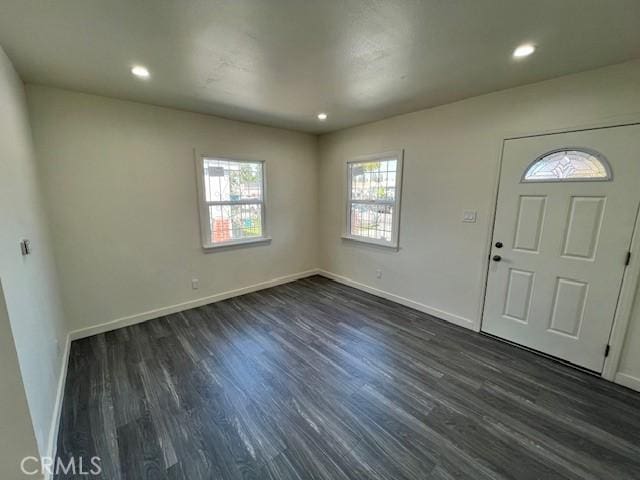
(529, 223)
(564, 246)
(583, 227)
(519, 288)
(568, 306)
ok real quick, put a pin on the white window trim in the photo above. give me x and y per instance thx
(203, 204)
(396, 203)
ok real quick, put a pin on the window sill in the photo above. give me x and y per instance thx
(237, 243)
(375, 243)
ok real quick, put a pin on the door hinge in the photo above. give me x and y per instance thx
(628, 260)
(606, 351)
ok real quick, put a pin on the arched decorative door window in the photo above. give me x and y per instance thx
(569, 165)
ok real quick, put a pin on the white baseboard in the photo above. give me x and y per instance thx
(628, 381)
(168, 310)
(436, 312)
(52, 442)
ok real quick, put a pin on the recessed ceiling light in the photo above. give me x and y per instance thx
(322, 116)
(524, 51)
(140, 71)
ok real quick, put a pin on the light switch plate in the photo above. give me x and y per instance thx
(469, 216)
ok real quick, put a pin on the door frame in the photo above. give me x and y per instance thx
(631, 275)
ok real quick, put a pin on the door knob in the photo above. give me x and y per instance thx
(498, 244)
(497, 258)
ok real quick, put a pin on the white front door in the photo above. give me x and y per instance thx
(566, 210)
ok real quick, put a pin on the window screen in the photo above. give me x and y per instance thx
(232, 207)
(373, 198)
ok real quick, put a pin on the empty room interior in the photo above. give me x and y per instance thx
(332, 240)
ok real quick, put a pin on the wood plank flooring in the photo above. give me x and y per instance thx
(315, 380)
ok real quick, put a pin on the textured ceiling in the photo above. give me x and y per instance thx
(280, 62)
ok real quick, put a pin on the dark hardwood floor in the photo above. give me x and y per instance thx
(315, 380)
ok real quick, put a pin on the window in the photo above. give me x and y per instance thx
(232, 207)
(568, 164)
(373, 198)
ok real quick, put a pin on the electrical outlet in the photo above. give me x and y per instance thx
(378, 273)
(469, 216)
(25, 247)
(195, 283)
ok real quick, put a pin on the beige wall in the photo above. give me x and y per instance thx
(629, 369)
(17, 438)
(120, 185)
(451, 164)
(33, 307)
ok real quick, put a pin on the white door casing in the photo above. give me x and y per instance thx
(565, 243)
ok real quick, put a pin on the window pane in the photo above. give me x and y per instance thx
(235, 222)
(226, 180)
(567, 165)
(374, 180)
(372, 221)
